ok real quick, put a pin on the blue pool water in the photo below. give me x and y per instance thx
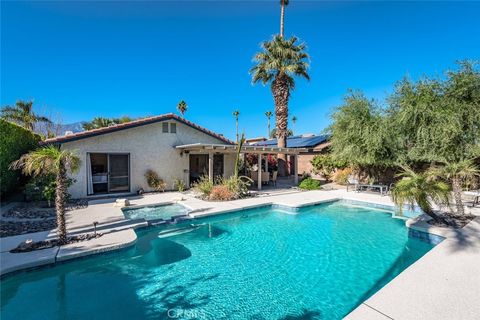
(264, 263)
(155, 212)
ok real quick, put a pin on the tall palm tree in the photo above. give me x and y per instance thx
(283, 4)
(22, 113)
(236, 113)
(420, 189)
(278, 63)
(182, 107)
(456, 173)
(51, 160)
(294, 120)
(268, 114)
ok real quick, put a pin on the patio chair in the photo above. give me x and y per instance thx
(265, 177)
(274, 178)
(352, 181)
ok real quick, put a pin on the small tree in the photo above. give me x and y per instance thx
(326, 165)
(457, 173)
(421, 189)
(52, 160)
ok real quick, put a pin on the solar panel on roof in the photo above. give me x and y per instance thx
(297, 141)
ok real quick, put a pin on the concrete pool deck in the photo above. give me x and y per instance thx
(441, 285)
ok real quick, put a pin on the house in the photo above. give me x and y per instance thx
(114, 159)
(309, 145)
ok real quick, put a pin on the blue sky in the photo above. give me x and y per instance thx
(79, 60)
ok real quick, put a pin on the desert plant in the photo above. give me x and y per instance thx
(204, 186)
(221, 192)
(51, 160)
(457, 173)
(326, 165)
(154, 181)
(238, 185)
(309, 184)
(179, 184)
(341, 175)
(421, 189)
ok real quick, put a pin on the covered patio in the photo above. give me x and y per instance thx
(261, 151)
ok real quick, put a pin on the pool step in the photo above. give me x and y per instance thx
(176, 231)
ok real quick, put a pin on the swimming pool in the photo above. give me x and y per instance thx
(154, 212)
(320, 262)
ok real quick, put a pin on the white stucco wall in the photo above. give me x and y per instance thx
(149, 148)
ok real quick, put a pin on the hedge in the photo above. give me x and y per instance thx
(14, 142)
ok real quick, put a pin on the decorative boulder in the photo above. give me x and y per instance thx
(121, 203)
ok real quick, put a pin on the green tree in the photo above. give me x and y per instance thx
(51, 160)
(182, 107)
(283, 4)
(273, 133)
(326, 165)
(421, 189)
(279, 62)
(294, 121)
(22, 113)
(100, 122)
(437, 120)
(268, 114)
(360, 133)
(235, 114)
(457, 173)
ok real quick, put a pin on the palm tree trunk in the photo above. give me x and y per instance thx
(268, 128)
(281, 93)
(282, 17)
(60, 204)
(236, 128)
(457, 194)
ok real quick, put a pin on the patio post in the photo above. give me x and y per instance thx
(295, 169)
(259, 172)
(210, 166)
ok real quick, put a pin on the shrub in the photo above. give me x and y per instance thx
(154, 181)
(310, 184)
(237, 185)
(204, 186)
(221, 192)
(341, 176)
(179, 184)
(326, 165)
(14, 142)
(44, 188)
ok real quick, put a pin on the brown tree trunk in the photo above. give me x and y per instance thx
(281, 93)
(457, 194)
(60, 199)
(282, 17)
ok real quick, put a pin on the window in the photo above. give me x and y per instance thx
(165, 127)
(173, 128)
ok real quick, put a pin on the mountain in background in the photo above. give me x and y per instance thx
(59, 129)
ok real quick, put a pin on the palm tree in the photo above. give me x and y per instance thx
(283, 4)
(420, 189)
(22, 113)
(182, 107)
(456, 173)
(268, 114)
(236, 113)
(52, 160)
(100, 122)
(278, 63)
(294, 120)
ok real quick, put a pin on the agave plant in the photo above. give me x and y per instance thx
(421, 189)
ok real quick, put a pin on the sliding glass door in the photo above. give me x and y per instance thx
(118, 173)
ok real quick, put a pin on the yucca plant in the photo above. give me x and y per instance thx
(421, 189)
(51, 160)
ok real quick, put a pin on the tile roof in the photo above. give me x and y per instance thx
(298, 141)
(134, 124)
